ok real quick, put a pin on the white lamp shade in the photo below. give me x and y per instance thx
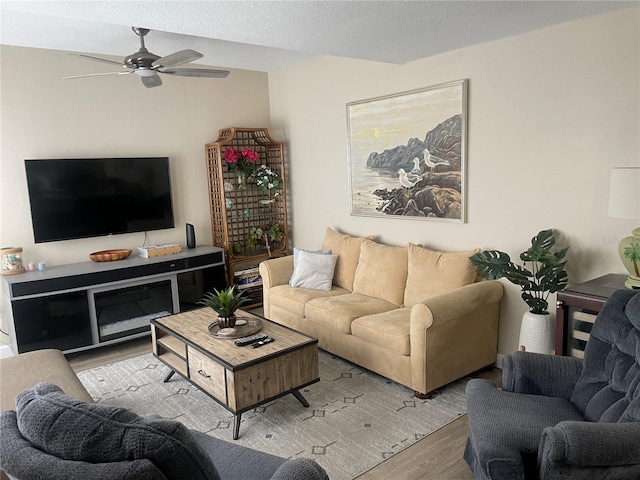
(624, 192)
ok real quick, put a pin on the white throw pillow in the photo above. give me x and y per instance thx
(314, 270)
(297, 250)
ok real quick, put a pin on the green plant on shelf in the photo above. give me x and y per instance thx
(269, 235)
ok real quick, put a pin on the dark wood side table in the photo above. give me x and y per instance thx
(577, 307)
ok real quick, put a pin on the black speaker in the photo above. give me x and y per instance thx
(191, 236)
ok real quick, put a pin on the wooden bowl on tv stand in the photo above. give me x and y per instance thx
(109, 255)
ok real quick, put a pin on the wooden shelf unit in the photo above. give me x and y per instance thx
(234, 211)
(170, 350)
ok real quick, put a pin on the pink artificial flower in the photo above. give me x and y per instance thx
(231, 155)
(240, 160)
(249, 155)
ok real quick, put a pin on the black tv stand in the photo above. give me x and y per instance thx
(90, 304)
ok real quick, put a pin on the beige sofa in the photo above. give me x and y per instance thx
(416, 316)
(21, 372)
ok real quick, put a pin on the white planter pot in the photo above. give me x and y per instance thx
(538, 333)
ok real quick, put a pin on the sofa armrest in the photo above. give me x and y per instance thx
(300, 469)
(23, 371)
(276, 271)
(454, 334)
(457, 303)
(589, 445)
(539, 374)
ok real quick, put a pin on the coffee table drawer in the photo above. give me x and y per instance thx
(207, 374)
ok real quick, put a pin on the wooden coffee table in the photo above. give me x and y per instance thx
(239, 378)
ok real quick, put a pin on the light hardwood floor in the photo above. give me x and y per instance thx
(436, 457)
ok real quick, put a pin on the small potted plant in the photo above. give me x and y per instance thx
(545, 275)
(224, 303)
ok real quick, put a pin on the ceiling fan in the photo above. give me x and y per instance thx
(148, 65)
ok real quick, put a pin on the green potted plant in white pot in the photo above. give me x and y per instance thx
(542, 273)
(224, 303)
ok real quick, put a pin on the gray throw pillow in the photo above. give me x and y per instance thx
(75, 430)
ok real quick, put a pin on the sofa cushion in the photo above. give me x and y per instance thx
(313, 270)
(381, 272)
(338, 312)
(431, 272)
(75, 430)
(235, 461)
(294, 299)
(243, 463)
(388, 329)
(348, 250)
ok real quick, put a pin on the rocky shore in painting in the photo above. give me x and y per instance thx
(428, 191)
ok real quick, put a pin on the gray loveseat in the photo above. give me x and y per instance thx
(562, 417)
(47, 433)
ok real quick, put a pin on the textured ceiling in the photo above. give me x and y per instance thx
(267, 35)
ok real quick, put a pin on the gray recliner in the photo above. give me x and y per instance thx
(563, 417)
(53, 436)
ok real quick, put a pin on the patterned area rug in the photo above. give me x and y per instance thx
(356, 419)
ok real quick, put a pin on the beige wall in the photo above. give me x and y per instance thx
(43, 116)
(550, 113)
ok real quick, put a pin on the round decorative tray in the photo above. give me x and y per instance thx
(252, 325)
(109, 255)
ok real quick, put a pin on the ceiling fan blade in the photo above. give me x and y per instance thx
(177, 58)
(197, 72)
(97, 59)
(98, 74)
(152, 81)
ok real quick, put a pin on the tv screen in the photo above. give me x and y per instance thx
(91, 197)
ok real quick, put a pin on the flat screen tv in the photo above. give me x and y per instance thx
(91, 197)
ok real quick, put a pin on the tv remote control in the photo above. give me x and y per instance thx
(262, 342)
(241, 342)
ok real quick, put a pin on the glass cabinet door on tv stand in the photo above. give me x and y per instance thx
(239, 207)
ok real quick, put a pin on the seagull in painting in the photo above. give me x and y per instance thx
(405, 181)
(432, 161)
(416, 170)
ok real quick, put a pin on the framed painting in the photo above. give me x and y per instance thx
(407, 154)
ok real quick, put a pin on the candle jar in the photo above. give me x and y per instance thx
(11, 258)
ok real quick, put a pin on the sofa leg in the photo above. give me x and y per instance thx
(422, 396)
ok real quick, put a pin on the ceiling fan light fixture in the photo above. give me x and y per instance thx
(145, 72)
(147, 65)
